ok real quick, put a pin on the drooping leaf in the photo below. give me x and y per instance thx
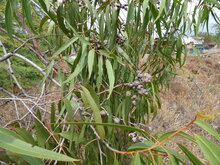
(20, 147)
(190, 155)
(9, 10)
(210, 150)
(111, 76)
(136, 160)
(87, 98)
(65, 46)
(208, 128)
(27, 11)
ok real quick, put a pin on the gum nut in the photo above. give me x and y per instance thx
(128, 93)
(134, 102)
(140, 75)
(140, 92)
(103, 113)
(116, 120)
(145, 74)
(139, 86)
(143, 90)
(147, 80)
(131, 134)
(130, 84)
(134, 139)
(136, 83)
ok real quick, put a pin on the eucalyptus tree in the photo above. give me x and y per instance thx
(120, 54)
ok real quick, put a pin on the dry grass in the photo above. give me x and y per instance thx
(196, 88)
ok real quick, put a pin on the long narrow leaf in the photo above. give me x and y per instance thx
(210, 150)
(208, 128)
(87, 98)
(20, 147)
(190, 155)
(111, 76)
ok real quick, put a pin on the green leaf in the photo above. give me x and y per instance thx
(9, 10)
(27, 11)
(147, 144)
(41, 133)
(43, 21)
(91, 56)
(80, 64)
(190, 155)
(136, 160)
(208, 128)
(52, 115)
(162, 6)
(10, 133)
(182, 134)
(100, 72)
(65, 46)
(48, 71)
(31, 160)
(111, 76)
(173, 160)
(87, 98)
(210, 150)
(69, 135)
(25, 135)
(18, 146)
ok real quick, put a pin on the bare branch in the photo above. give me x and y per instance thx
(11, 72)
(5, 57)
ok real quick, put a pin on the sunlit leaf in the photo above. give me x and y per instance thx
(20, 147)
(208, 128)
(210, 150)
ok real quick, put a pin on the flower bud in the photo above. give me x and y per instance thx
(128, 93)
(134, 102)
(116, 120)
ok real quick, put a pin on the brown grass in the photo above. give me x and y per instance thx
(196, 88)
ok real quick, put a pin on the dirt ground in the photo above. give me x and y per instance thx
(196, 88)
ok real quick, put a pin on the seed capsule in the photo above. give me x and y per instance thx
(103, 113)
(139, 87)
(134, 102)
(136, 83)
(128, 93)
(116, 120)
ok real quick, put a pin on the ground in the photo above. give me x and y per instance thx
(195, 88)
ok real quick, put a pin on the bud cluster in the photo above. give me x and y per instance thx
(120, 40)
(135, 136)
(138, 85)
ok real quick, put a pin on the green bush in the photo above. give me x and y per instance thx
(113, 89)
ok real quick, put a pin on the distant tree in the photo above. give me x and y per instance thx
(216, 37)
(207, 37)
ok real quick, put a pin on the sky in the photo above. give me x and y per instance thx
(211, 19)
